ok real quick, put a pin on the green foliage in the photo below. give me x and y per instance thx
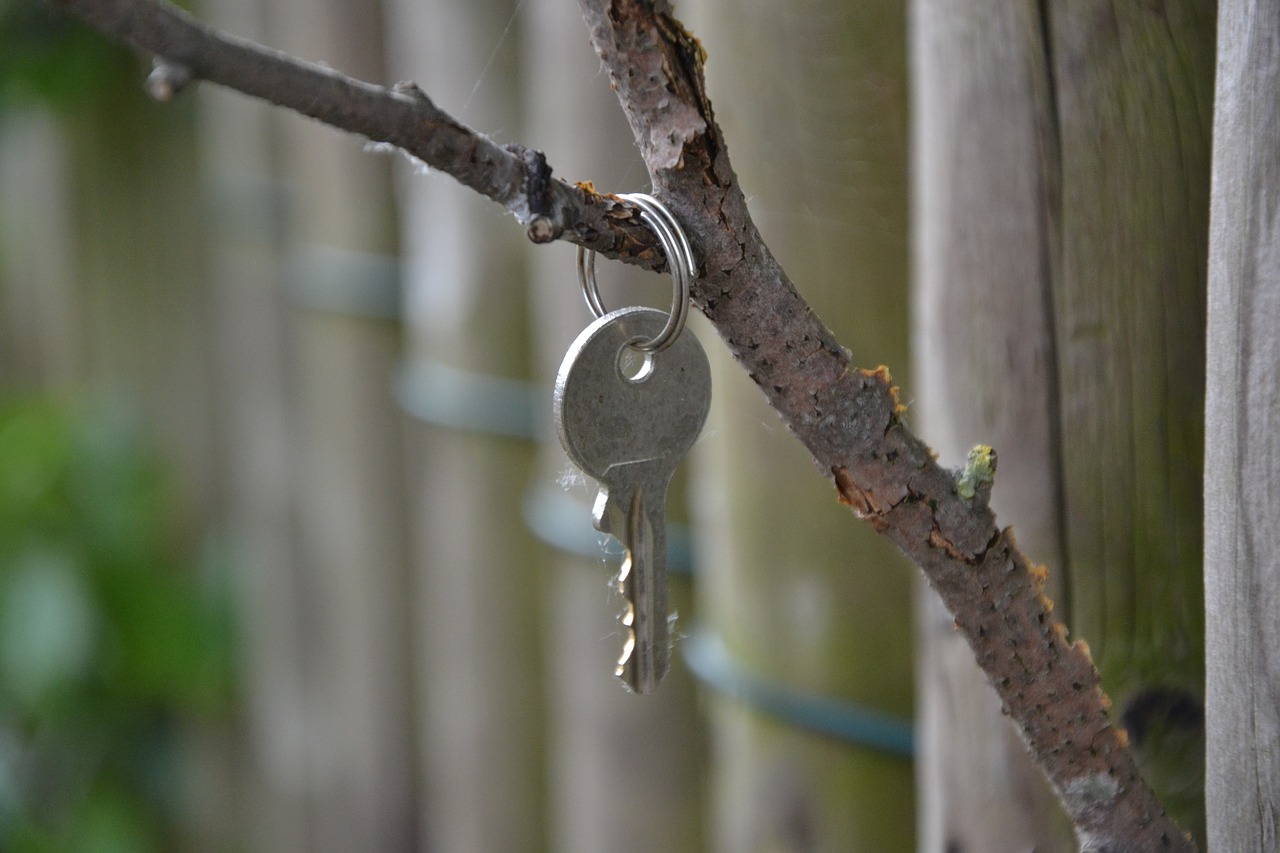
(106, 643)
(47, 57)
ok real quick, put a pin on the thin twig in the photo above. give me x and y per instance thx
(850, 419)
(516, 177)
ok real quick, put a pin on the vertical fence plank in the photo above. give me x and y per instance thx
(1134, 91)
(347, 479)
(249, 329)
(812, 96)
(1242, 437)
(40, 343)
(104, 301)
(984, 373)
(478, 569)
(140, 291)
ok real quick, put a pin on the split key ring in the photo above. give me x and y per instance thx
(675, 245)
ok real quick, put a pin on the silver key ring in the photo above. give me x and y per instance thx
(675, 245)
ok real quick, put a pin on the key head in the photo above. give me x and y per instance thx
(606, 419)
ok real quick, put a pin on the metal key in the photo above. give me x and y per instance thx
(630, 434)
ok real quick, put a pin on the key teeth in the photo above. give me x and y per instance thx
(629, 669)
(640, 669)
(600, 512)
(632, 678)
(627, 665)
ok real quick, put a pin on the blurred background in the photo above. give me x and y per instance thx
(290, 559)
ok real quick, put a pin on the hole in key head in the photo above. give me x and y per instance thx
(634, 365)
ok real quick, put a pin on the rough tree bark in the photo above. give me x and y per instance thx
(848, 418)
(1242, 449)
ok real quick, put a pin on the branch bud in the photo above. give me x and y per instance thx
(167, 79)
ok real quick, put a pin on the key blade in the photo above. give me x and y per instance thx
(646, 654)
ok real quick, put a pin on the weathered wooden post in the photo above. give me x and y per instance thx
(1242, 438)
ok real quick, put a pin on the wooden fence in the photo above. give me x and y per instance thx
(348, 361)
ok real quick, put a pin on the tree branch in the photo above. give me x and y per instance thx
(851, 422)
(850, 419)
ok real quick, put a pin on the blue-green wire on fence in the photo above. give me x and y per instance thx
(712, 663)
(489, 405)
(345, 281)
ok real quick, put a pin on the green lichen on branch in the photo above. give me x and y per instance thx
(979, 471)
